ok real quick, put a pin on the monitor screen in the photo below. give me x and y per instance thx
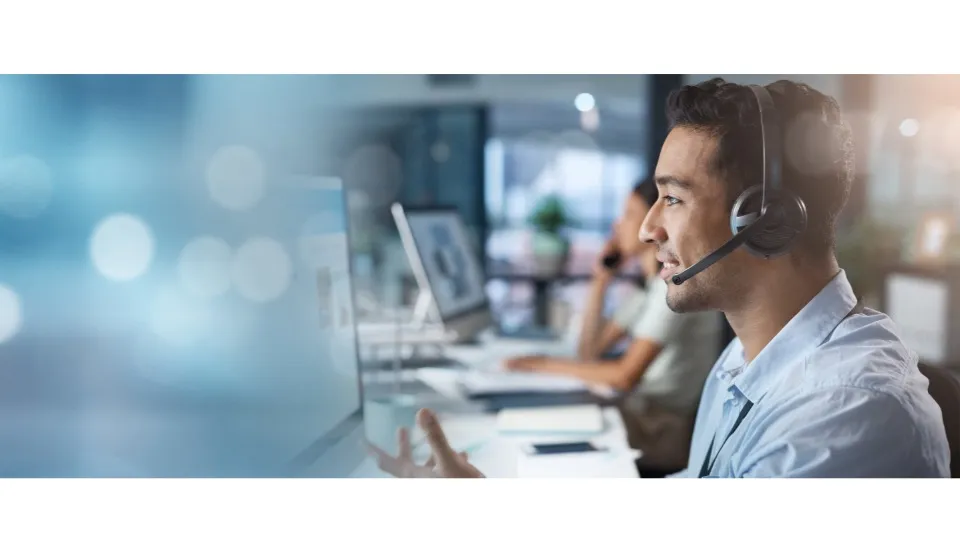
(450, 264)
(158, 316)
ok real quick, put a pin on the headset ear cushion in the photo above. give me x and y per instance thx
(770, 241)
(787, 221)
(746, 209)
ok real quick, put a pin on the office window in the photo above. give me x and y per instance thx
(539, 150)
(590, 160)
(592, 184)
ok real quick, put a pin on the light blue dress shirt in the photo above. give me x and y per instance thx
(833, 397)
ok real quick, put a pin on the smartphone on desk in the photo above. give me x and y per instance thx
(561, 448)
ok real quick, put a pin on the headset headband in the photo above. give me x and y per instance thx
(770, 133)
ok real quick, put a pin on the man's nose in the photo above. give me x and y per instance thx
(651, 231)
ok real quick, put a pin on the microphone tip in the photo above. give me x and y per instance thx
(677, 280)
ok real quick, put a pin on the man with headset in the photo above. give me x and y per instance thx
(751, 182)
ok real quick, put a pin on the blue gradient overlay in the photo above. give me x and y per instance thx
(143, 377)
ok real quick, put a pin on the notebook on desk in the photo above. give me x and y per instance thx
(583, 420)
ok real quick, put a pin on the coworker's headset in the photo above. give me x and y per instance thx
(766, 218)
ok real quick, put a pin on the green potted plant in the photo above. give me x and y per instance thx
(551, 248)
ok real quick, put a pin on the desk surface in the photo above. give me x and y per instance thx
(499, 455)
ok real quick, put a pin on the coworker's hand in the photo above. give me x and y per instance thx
(600, 271)
(444, 461)
(525, 363)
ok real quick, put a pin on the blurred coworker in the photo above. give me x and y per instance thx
(669, 355)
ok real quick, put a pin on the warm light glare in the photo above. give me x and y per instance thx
(934, 236)
(909, 127)
(584, 102)
(10, 314)
(121, 247)
(943, 130)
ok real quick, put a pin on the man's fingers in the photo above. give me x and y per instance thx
(428, 422)
(403, 443)
(432, 461)
(374, 451)
(385, 461)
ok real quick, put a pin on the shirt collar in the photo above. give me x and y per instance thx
(806, 330)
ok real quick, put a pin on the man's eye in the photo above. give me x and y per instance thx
(670, 200)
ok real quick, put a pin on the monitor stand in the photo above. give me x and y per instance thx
(426, 353)
(425, 314)
(424, 310)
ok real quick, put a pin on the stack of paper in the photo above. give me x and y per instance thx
(570, 419)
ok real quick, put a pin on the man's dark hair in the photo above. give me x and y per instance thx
(646, 189)
(817, 153)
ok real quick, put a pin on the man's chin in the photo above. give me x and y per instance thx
(674, 305)
(683, 302)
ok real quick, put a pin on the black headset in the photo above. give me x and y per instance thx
(766, 219)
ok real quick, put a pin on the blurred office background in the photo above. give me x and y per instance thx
(508, 151)
(503, 148)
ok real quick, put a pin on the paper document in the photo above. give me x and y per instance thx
(493, 382)
(568, 419)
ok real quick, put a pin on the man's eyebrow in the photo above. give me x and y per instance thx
(674, 181)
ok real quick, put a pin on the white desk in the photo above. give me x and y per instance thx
(498, 455)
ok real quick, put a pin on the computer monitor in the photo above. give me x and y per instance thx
(160, 335)
(446, 268)
(325, 297)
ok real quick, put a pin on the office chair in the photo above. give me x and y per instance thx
(945, 390)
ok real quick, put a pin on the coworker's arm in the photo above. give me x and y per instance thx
(622, 374)
(611, 334)
(596, 333)
(657, 325)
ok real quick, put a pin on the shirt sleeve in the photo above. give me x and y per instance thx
(843, 432)
(629, 310)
